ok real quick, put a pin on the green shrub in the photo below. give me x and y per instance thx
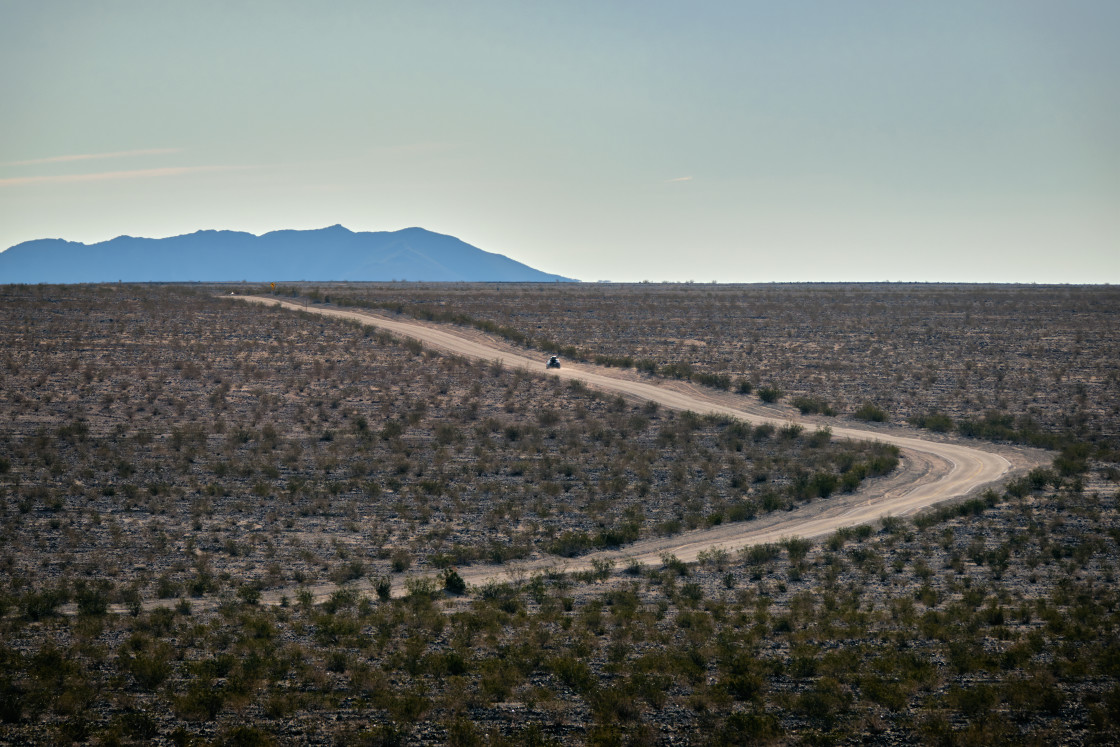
(37, 605)
(870, 413)
(676, 370)
(742, 510)
(759, 554)
(790, 431)
(741, 680)
(812, 406)
(246, 736)
(750, 728)
(202, 702)
(149, 667)
(453, 583)
(570, 543)
(574, 673)
(933, 421)
(674, 564)
(819, 438)
(769, 394)
(797, 547)
(92, 598)
(717, 381)
(249, 594)
(138, 725)
(400, 560)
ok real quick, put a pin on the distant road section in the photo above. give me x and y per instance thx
(932, 471)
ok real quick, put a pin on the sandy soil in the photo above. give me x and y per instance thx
(933, 470)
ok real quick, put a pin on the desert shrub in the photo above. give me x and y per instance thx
(37, 605)
(340, 599)
(716, 381)
(759, 554)
(716, 557)
(676, 370)
(742, 510)
(350, 570)
(1073, 460)
(400, 560)
(741, 678)
(819, 438)
(202, 702)
(392, 429)
(246, 736)
(971, 507)
(166, 588)
(769, 394)
(933, 421)
(570, 543)
(1001, 426)
(870, 413)
(824, 702)
(419, 588)
(673, 563)
(893, 524)
(249, 594)
(797, 547)
(573, 672)
(150, 665)
(92, 598)
(823, 484)
(138, 725)
(1040, 477)
(203, 583)
(744, 386)
(453, 583)
(812, 406)
(618, 535)
(601, 568)
(790, 431)
(750, 728)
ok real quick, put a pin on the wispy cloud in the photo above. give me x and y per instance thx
(111, 175)
(94, 156)
(679, 179)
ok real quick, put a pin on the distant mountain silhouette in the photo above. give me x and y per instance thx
(334, 253)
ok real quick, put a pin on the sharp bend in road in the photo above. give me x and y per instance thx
(937, 471)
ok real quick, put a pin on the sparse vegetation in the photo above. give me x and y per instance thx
(159, 445)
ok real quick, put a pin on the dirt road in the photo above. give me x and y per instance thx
(932, 470)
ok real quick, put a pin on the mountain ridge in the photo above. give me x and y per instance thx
(321, 254)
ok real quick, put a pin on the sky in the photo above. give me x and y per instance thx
(745, 141)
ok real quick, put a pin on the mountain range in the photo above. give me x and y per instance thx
(334, 253)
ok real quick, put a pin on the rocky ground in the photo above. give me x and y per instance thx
(180, 443)
(1042, 356)
(162, 443)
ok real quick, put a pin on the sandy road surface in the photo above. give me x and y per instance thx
(932, 471)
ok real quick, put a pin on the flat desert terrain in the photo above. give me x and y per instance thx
(367, 514)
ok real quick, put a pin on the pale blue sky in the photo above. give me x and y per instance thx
(731, 141)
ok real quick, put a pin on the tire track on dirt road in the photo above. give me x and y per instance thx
(932, 470)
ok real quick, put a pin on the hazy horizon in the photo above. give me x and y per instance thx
(735, 142)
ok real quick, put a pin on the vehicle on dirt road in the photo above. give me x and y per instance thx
(553, 362)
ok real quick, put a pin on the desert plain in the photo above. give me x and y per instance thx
(248, 523)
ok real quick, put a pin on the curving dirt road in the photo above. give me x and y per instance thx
(932, 470)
